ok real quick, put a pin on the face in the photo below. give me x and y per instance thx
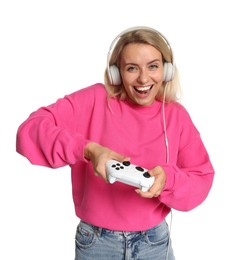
(141, 70)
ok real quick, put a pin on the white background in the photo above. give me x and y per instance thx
(50, 48)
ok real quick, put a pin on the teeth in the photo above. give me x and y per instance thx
(144, 88)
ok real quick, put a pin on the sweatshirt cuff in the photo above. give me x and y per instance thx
(81, 144)
(170, 181)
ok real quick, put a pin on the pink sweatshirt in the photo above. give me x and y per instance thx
(55, 136)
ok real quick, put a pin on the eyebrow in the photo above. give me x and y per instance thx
(155, 60)
(135, 64)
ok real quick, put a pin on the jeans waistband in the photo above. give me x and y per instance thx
(100, 230)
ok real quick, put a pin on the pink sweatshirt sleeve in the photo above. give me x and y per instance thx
(190, 180)
(48, 136)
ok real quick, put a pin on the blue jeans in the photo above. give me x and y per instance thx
(95, 243)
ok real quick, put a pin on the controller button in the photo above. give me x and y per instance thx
(119, 168)
(140, 169)
(126, 163)
(146, 175)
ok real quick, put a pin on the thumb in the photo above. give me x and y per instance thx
(121, 158)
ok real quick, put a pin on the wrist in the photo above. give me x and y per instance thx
(89, 149)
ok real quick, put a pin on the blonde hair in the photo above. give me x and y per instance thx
(155, 39)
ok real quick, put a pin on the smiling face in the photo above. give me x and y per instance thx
(141, 69)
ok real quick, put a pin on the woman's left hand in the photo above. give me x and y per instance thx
(159, 183)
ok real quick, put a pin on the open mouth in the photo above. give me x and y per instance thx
(143, 90)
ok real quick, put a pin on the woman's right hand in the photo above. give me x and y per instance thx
(99, 155)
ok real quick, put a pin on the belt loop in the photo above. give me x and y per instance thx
(143, 233)
(98, 231)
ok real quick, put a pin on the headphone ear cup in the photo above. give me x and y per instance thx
(114, 75)
(168, 71)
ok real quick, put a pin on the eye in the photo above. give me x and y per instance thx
(131, 68)
(153, 66)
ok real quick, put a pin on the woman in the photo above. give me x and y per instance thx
(134, 116)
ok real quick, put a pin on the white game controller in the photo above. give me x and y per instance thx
(130, 174)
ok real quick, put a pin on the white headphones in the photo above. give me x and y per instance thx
(113, 71)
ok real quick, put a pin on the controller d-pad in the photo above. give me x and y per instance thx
(146, 175)
(117, 166)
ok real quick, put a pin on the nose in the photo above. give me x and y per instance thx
(143, 76)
